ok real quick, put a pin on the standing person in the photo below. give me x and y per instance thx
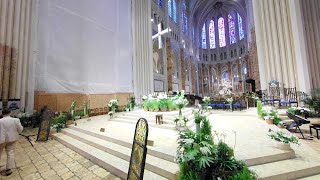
(10, 128)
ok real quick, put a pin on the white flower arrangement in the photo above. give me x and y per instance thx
(206, 99)
(181, 102)
(23, 115)
(144, 98)
(113, 103)
(229, 100)
(162, 96)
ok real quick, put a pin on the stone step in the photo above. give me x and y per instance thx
(166, 115)
(113, 164)
(150, 123)
(128, 144)
(286, 169)
(154, 164)
(315, 177)
(152, 119)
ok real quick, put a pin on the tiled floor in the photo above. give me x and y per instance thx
(51, 160)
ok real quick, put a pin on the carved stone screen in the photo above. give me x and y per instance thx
(139, 151)
(45, 123)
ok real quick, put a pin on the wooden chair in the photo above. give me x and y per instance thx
(290, 97)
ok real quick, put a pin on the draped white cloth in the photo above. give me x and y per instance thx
(84, 46)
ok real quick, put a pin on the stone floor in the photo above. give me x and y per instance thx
(51, 160)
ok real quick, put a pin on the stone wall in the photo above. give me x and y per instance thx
(62, 101)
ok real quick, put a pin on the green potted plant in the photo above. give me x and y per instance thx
(171, 105)
(198, 118)
(284, 139)
(163, 104)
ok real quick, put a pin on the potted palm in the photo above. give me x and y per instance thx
(284, 139)
(163, 104)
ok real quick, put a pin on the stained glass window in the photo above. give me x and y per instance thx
(204, 38)
(212, 37)
(241, 31)
(184, 19)
(170, 8)
(174, 5)
(232, 30)
(222, 33)
(160, 3)
(193, 37)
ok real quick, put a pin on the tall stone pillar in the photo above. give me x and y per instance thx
(142, 52)
(183, 69)
(240, 75)
(281, 43)
(169, 64)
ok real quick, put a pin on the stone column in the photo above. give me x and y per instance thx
(8, 49)
(260, 43)
(303, 75)
(183, 69)
(229, 71)
(210, 80)
(193, 76)
(14, 53)
(169, 64)
(240, 75)
(3, 26)
(219, 75)
(142, 49)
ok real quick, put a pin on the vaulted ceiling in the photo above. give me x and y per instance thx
(201, 10)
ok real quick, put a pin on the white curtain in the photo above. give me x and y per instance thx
(84, 46)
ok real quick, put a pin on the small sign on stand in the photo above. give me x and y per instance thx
(139, 151)
(45, 124)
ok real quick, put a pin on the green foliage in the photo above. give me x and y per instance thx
(154, 105)
(59, 122)
(277, 120)
(293, 111)
(259, 107)
(280, 136)
(163, 103)
(244, 174)
(171, 104)
(198, 116)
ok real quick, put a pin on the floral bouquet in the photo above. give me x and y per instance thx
(144, 98)
(206, 99)
(113, 103)
(24, 118)
(181, 102)
(273, 83)
(229, 100)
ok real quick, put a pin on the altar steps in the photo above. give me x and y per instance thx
(168, 118)
(159, 164)
(115, 157)
(286, 169)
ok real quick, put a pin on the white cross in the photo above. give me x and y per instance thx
(159, 34)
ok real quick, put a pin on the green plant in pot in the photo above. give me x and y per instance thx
(73, 108)
(59, 122)
(154, 105)
(147, 105)
(198, 118)
(283, 138)
(171, 105)
(163, 104)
